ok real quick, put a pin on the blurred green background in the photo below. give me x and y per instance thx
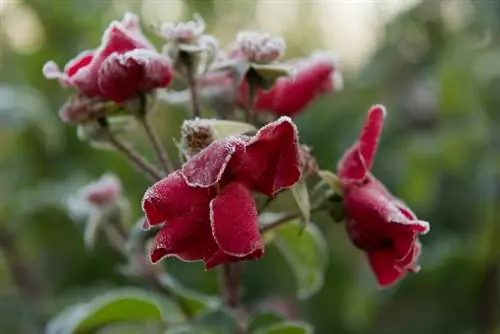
(434, 64)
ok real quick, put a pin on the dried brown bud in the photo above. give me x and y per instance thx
(195, 136)
(308, 163)
(80, 108)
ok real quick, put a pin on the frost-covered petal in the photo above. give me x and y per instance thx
(233, 216)
(220, 257)
(358, 159)
(291, 95)
(410, 262)
(116, 39)
(382, 264)
(370, 135)
(352, 166)
(186, 238)
(171, 198)
(365, 203)
(271, 160)
(122, 76)
(52, 71)
(207, 167)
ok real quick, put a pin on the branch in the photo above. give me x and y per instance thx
(135, 158)
(161, 153)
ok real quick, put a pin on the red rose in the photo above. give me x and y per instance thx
(291, 95)
(207, 207)
(378, 223)
(125, 64)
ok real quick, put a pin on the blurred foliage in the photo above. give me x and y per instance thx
(440, 152)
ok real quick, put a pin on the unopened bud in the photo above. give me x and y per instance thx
(103, 191)
(195, 136)
(184, 32)
(80, 108)
(259, 47)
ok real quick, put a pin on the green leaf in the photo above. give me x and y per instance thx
(187, 330)
(224, 128)
(118, 307)
(264, 319)
(306, 255)
(195, 302)
(220, 321)
(301, 197)
(268, 74)
(331, 179)
(290, 327)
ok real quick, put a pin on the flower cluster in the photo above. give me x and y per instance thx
(124, 65)
(205, 207)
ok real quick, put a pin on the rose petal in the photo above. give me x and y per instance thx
(352, 166)
(130, 22)
(80, 61)
(116, 39)
(172, 198)
(122, 76)
(370, 135)
(382, 264)
(233, 216)
(207, 167)
(186, 238)
(220, 257)
(366, 203)
(271, 160)
(410, 262)
(291, 95)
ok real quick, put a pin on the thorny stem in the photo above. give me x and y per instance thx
(135, 158)
(161, 153)
(285, 219)
(230, 292)
(30, 289)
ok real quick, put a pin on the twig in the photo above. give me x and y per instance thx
(250, 114)
(137, 160)
(161, 153)
(230, 292)
(193, 89)
(282, 220)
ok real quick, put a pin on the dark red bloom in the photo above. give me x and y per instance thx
(207, 209)
(378, 223)
(291, 95)
(125, 64)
